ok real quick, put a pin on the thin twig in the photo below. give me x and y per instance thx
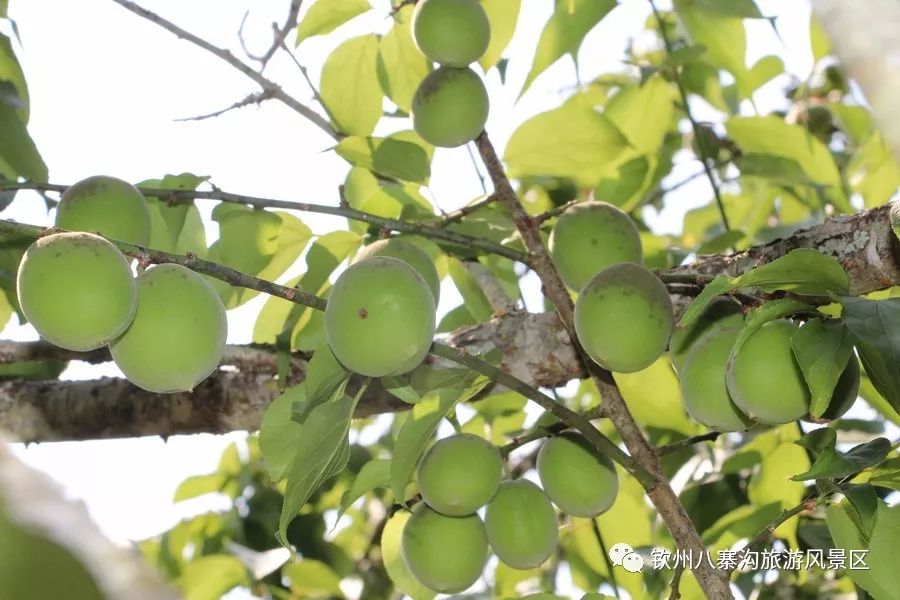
(687, 442)
(305, 73)
(767, 532)
(263, 82)
(554, 212)
(461, 213)
(538, 433)
(675, 584)
(176, 195)
(609, 565)
(279, 34)
(477, 170)
(254, 98)
(695, 126)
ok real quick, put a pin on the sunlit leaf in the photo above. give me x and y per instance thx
(350, 89)
(324, 16)
(502, 16)
(401, 65)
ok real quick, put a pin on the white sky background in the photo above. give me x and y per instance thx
(106, 87)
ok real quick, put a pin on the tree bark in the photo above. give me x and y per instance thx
(535, 347)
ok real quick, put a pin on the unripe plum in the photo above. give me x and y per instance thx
(590, 236)
(623, 318)
(764, 379)
(451, 32)
(380, 317)
(703, 387)
(177, 338)
(521, 524)
(450, 107)
(410, 254)
(446, 554)
(722, 313)
(460, 474)
(578, 479)
(111, 206)
(846, 391)
(77, 290)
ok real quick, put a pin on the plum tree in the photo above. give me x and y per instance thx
(590, 236)
(450, 107)
(410, 254)
(451, 32)
(521, 524)
(77, 290)
(111, 206)
(178, 334)
(846, 391)
(703, 387)
(781, 396)
(577, 478)
(460, 474)
(722, 313)
(623, 318)
(445, 554)
(380, 317)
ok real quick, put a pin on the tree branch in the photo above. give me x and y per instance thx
(660, 492)
(687, 442)
(266, 84)
(176, 195)
(760, 538)
(254, 98)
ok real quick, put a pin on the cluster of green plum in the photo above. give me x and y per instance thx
(623, 313)
(445, 543)
(165, 329)
(450, 106)
(729, 388)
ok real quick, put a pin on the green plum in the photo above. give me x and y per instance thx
(450, 107)
(460, 474)
(521, 524)
(113, 207)
(451, 32)
(578, 479)
(411, 255)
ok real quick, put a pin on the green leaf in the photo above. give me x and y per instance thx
(882, 578)
(11, 71)
(256, 242)
(381, 197)
(313, 579)
(278, 432)
(644, 113)
(833, 464)
(821, 45)
(389, 157)
(763, 71)
(198, 485)
(722, 36)
(324, 16)
(401, 65)
(771, 135)
(654, 396)
(475, 301)
(502, 16)
(873, 172)
(802, 271)
(745, 9)
(209, 577)
(323, 376)
(374, 474)
(400, 387)
(822, 351)
(349, 87)
(19, 156)
(177, 227)
(875, 325)
(711, 291)
(886, 474)
(769, 311)
(319, 448)
(564, 32)
(572, 141)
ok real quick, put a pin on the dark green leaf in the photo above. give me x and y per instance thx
(886, 474)
(822, 351)
(279, 432)
(831, 463)
(400, 387)
(324, 376)
(713, 290)
(875, 325)
(802, 271)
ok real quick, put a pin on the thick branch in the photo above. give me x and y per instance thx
(175, 195)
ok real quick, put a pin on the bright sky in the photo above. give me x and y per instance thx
(106, 88)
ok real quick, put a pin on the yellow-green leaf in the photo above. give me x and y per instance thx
(502, 15)
(401, 65)
(349, 87)
(324, 16)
